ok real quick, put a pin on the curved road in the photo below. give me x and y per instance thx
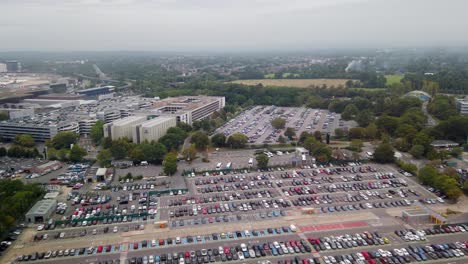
(431, 121)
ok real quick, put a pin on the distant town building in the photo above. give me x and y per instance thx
(3, 67)
(13, 66)
(462, 105)
(58, 87)
(444, 144)
(94, 92)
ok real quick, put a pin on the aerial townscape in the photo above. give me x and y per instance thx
(238, 132)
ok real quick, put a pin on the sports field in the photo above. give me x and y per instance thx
(391, 79)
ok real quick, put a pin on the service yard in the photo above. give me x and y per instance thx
(255, 123)
(318, 214)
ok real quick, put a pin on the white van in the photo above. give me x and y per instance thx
(293, 228)
(144, 163)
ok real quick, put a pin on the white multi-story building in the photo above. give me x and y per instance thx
(86, 125)
(462, 106)
(189, 109)
(122, 128)
(39, 130)
(153, 129)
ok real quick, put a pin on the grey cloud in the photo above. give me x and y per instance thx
(226, 24)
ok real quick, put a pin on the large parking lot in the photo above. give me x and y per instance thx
(255, 123)
(332, 214)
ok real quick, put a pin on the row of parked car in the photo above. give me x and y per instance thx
(403, 255)
(348, 241)
(254, 194)
(412, 234)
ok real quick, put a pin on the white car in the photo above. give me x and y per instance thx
(40, 227)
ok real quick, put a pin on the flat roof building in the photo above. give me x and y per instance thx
(122, 128)
(188, 109)
(41, 211)
(97, 91)
(153, 129)
(462, 105)
(39, 130)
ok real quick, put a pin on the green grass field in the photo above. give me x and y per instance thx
(269, 76)
(391, 79)
(369, 89)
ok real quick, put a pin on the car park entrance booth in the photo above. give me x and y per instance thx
(41, 211)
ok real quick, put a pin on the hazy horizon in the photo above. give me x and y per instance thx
(217, 25)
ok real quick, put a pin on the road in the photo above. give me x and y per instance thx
(431, 121)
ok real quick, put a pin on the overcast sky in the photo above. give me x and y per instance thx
(170, 25)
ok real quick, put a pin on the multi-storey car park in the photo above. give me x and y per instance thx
(317, 214)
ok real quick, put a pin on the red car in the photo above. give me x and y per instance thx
(99, 249)
(135, 245)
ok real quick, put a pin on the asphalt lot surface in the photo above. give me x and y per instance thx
(255, 122)
(218, 210)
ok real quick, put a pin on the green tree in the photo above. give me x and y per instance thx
(137, 155)
(281, 139)
(237, 140)
(4, 115)
(349, 112)
(278, 123)
(290, 133)
(384, 153)
(339, 133)
(64, 139)
(417, 151)
(97, 132)
(424, 140)
(25, 140)
(3, 152)
(170, 163)
(388, 124)
(357, 133)
(364, 117)
(406, 131)
(304, 135)
(190, 153)
(200, 140)
(262, 161)
(218, 140)
(184, 126)
(104, 158)
(174, 138)
(371, 131)
(121, 148)
(356, 145)
(77, 153)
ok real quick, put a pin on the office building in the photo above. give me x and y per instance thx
(3, 67)
(122, 128)
(153, 129)
(462, 105)
(13, 66)
(40, 130)
(86, 125)
(97, 91)
(188, 109)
